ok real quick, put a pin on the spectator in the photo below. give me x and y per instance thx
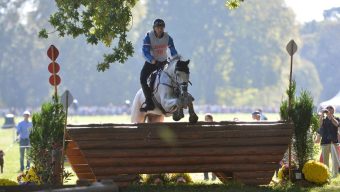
(2, 161)
(256, 116)
(329, 125)
(262, 116)
(209, 118)
(23, 131)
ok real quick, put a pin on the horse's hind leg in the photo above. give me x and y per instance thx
(193, 118)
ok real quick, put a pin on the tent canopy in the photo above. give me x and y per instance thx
(335, 102)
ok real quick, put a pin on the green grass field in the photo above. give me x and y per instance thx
(11, 167)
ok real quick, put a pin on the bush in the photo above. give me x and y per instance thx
(7, 182)
(301, 113)
(316, 172)
(29, 177)
(46, 141)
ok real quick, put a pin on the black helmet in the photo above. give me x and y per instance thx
(158, 23)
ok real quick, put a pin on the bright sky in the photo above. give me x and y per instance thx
(308, 10)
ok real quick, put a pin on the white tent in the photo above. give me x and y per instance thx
(335, 102)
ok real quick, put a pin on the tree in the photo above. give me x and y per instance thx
(99, 21)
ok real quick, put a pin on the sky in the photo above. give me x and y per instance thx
(305, 10)
(308, 10)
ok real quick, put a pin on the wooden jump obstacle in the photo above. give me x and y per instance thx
(248, 152)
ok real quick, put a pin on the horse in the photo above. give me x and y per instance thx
(170, 95)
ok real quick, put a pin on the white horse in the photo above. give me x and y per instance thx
(170, 95)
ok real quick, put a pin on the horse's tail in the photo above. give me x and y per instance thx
(136, 115)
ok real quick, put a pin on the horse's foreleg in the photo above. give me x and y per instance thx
(193, 118)
(178, 114)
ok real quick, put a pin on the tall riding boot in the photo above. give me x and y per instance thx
(148, 100)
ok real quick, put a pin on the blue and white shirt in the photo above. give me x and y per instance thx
(155, 48)
(23, 129)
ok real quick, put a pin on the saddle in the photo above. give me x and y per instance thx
(152, 78)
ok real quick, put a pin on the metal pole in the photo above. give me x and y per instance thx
(54, 74)
(289, 118)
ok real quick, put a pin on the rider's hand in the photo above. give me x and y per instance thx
(153, 62)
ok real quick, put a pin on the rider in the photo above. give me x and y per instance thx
(155, 46)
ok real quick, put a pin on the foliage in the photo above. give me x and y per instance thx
(158, 179)
(233, 4)
(180, 178)
(98, 21)
(29, 177)
(7, 182)
(300, 113)
(46, 139)
(321, 41)
(283, 173)
(316, 172)
(244, 49)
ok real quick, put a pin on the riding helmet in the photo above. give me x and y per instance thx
(158, 23)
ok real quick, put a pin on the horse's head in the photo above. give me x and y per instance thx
(182, 75)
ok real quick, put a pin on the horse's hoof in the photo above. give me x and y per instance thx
(176, 117)
(193, 118)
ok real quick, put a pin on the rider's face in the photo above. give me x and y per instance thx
(159, 30)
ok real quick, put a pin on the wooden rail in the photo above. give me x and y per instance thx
(248, 152)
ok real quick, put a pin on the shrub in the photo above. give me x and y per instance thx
(7, 182)
(301, 113)
(29, 177)
(46, 141)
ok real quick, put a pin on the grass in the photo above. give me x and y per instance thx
(12, 160)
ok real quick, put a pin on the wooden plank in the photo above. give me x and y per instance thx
(182, 124)
(71, 144)
(177, 127)
(254, 141)
(187, 160)
(183, 169)
(76, 159)
(85, 176)
(73, 152)
(179, 152)
(81, 168)
(180, 135)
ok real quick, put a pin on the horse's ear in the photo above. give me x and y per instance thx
(187, 62)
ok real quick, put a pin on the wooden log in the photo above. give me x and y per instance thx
(71, 144)
(179, 152)
(181, 135)
(188, 160)
(224, 176)
(178, 127)
(102, 171)
(73, 152)
(180, 124)
(254, 141)
(76, 159)
(253, 174)
(81, 168)
(85, 176)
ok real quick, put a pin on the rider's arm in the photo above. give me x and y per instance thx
(146, 49)
(172, 47)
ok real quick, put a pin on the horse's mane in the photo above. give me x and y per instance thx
(179, 65)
